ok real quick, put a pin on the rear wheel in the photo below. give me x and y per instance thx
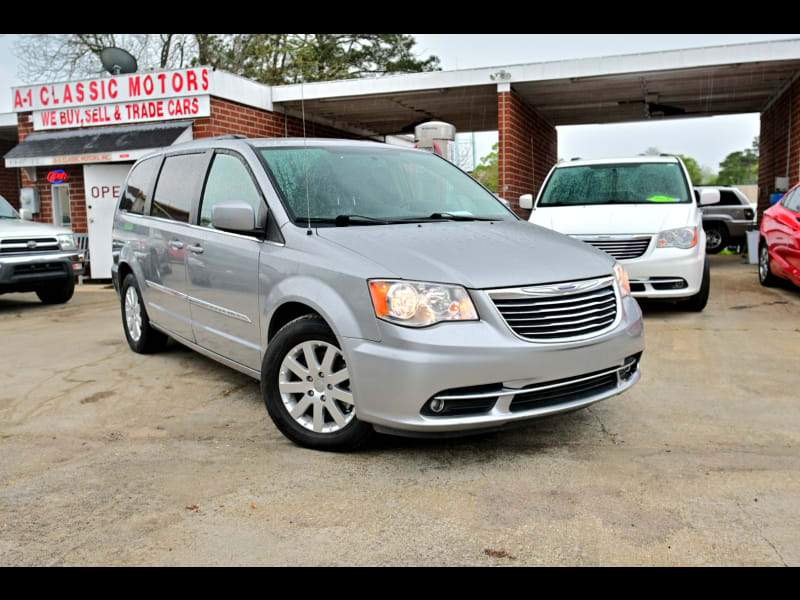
(307, 390)
(59, 292)
(141, 336)
(765, 276)
(716, 238)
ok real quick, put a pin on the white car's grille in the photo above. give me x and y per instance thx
(562, 311)
(621, 248)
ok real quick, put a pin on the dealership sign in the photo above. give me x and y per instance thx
(121, 113)
(117, 99)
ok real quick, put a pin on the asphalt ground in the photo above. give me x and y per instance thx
(108, 457)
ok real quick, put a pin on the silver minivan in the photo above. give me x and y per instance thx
(368, 287)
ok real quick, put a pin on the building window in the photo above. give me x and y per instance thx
(61, 209)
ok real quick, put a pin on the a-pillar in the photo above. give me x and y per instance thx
(527, 147)
(779, 144)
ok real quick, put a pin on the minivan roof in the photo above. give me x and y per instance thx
(617, 161)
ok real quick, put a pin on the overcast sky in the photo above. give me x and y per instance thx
(707, 140)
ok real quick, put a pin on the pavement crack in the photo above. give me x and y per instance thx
(606, 432)
(761, 535)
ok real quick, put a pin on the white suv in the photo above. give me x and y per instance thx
(643, 212)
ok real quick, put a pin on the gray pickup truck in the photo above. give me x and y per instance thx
(727, 222)
(37, 257)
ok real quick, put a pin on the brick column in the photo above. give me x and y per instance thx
(527, 148)
(9, 178)
(779, 144)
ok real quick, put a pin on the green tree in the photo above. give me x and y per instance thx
(277, 58)
(486, 171)
(695, 171)
(740, 168)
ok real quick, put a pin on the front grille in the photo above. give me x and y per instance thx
(621, 249)
(564, 390)
(552, 313)
(28, 245)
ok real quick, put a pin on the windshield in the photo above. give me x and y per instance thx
(376, 186)
(6, 210)
(632, 183)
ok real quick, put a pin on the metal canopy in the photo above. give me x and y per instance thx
(699, 82)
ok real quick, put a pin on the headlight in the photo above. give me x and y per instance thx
(418, 304)
(684, 237)
(67, 241)
(622, 279)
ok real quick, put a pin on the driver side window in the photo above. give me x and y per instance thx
(228, 180)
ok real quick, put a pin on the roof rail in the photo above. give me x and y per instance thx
(575, 158)
(230, 136)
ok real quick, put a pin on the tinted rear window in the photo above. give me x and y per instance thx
(140, 182)
(176, 186)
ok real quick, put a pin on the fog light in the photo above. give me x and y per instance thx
(437, 405)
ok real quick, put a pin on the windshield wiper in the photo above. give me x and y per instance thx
(452, 217)
(345, 220)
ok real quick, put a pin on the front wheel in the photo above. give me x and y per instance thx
(57, 293)
(307, 389)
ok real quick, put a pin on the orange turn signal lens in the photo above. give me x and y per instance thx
(379, 290)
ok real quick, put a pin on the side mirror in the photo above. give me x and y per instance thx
(26, 214)
(526, 201)
(709, 197)
(233, 216)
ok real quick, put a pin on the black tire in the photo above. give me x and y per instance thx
(698, 302)
(765, 275)
(310, 331)
(717, 238)
(149, 339)
(59, 292)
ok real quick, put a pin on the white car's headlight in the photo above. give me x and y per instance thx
(417, 304)
(67, 241)
(622, 279)
(683, 237)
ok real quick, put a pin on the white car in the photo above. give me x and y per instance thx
(643, 212)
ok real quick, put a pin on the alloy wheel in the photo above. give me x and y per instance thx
(763, 263)
(133, 314)
(314, 385)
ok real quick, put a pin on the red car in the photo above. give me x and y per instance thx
(779, 246)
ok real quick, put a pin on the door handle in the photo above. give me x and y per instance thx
(196, 249)
(176, 244)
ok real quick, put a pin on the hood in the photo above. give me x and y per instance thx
(18, 228)
(614, 218)
(475, 254)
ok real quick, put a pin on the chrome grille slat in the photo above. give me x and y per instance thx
(551, 313)
(596, 312)
(544, 300)
(558, 309)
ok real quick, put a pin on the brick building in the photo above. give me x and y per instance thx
(76, 141)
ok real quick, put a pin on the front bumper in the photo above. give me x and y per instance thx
(29, 271)
(394, 380)
(654, 274)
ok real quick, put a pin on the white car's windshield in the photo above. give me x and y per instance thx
(6, 210)
(624, 183)
(376, 186)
